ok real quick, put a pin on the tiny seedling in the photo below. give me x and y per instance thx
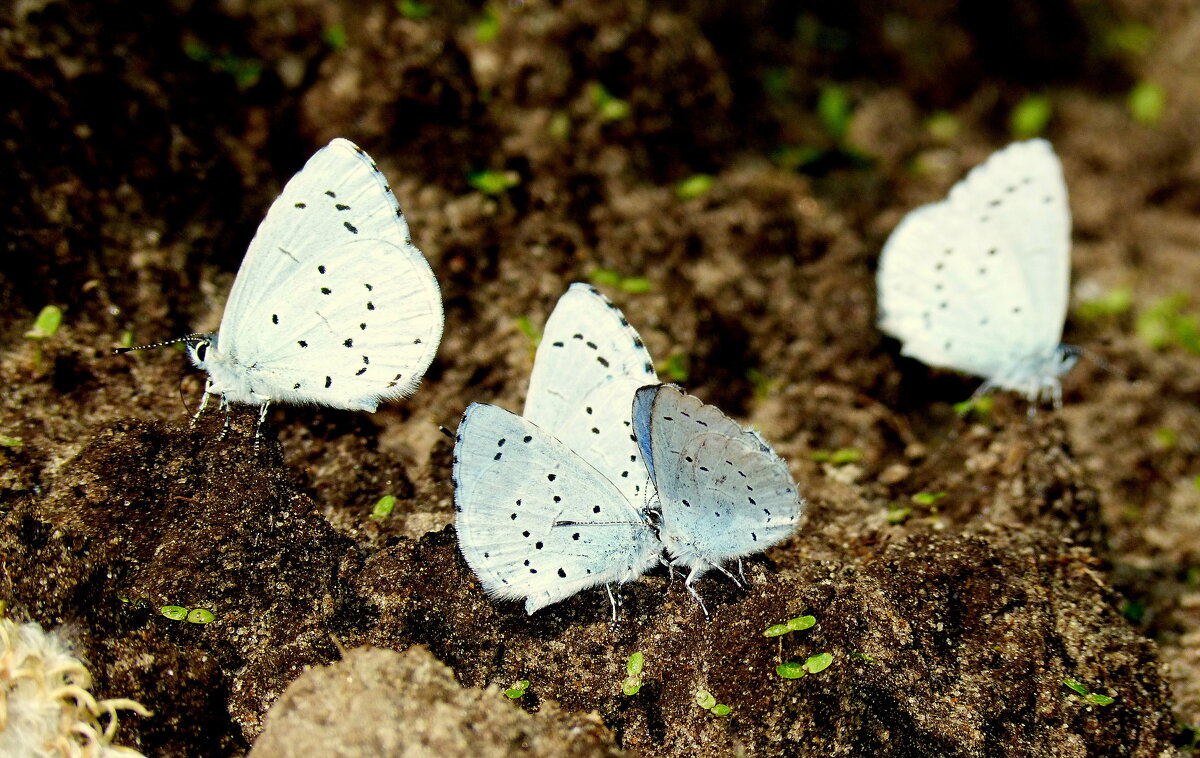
(1092, 697)
(763, 384)
(517, 690)
(335, 36)
(526, 327)
(928, 499)
(834, 110)
(943, 126)
(863, 657)
(200, 616)
(1147, 101)
(818, 663)
(487, 28)
(493, 183)
(980, 407)
(705, 700)
(633, 669)
(174, 612)
(608, 107)
(384, 507)
(246, 72)
(1164, 324)
(791, 670)
(694, 186)
(1030, 117)
(44, 327)
(797, 624)
(1114, 302)
(414, 9)
(6, 441)
(634, 285)
(675, 368)
(838, 457)
(1165, 437)
(813, 665)
(898, 514)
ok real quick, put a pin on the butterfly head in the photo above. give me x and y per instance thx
(199, 347)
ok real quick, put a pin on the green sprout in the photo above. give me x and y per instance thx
(1147, 101)
(493, 182)
(46, 324)
(791, 670)
(818, 663)
(1092, 697)
(414, 9)
(675, 367)
(1134, 611)
(609, 107)
(487, 28)
(1030, 117)
(1164, 323)
(800, 623)
(383, 508)
(200, 616)
(1112, 303)
(928, 498)
(1165, 437)
(763, 384)
(898, 514)
(6, 441)
(517, 690)
(559, 126)
(246, 72)
(796, 157)
(174, 612)
(776, 630)
(526, 327)
(978, 406)
(837, 457)
(943, 126)
(833, 108)
(863, 657)
(335, 36)
(705, 700)
(634, 285)
(694, 186)
(633, 669)
(1130, 37)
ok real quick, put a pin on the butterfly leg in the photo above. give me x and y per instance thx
(725, 571)
(225, 428)
(262, 416)
(741, 573)
(692, 577)
(613, 600)
(203, 403)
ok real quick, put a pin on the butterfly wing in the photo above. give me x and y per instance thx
(513, 485)
(978, 282)
(588, 365)
(724, 492)
(332, 295)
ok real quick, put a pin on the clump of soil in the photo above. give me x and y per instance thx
(145, 143)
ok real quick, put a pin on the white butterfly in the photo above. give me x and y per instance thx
(724, 492)
(979, 281)
(553, 503)
(333, 305)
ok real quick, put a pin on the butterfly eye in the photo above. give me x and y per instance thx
(201, 350)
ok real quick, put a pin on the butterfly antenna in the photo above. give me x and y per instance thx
(447, 432)
(1095, 358)
(196, 337)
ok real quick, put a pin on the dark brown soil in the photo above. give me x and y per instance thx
(144, 141)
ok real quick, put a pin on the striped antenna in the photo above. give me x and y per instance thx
(196, 337)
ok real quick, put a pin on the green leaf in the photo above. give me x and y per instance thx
(414, 9)
(720, 709)
(776, 630)
(605, 277)
(797, 157)
(335, 36)
(200, 616)
(694, 186)
(631, 686)
(818, 663)
(609, 107)
(833, 108)
(762, 383)
(527, 328)
(1030, 117)
(6, 441)
(46, 324)
(791, 670)
(1147, 101)
(493, 182)
(1134, 611)
(633, 666)
(675, 368)
(1165, 437)
(800, 623)
(636, 285)
(705, 700)
(928, 498)
(384, 507)
(174, 612)
(1112, 303)
(863, 657)
(517, 690)
(1075, 685)
(1097, 698)
(898, 514)
(487, 28)
(846, 455)
(943, 126)
(979, 406)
